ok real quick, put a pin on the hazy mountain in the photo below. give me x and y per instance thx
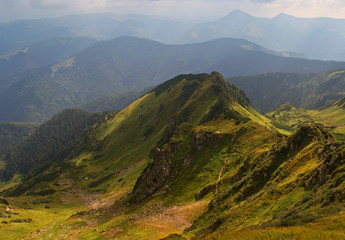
(42, 54)
(16, 35)
(113, 102)
(269, 91)
(191, 159)
(126, 64)
(316, 38)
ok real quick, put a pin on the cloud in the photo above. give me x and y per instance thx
(16, 9)
(50, 4)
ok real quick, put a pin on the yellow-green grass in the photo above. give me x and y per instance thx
(290, 118)
(330, 228)
(42, 219)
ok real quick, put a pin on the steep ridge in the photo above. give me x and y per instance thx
(298, 180)
(176, 135)
(190, 159)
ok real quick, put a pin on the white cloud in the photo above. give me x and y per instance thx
(180, 8)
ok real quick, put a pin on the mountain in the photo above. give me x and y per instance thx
(315, 38)
(191, 159)
(16, 35)
(43, 53)
(269, 91)
(126, 64)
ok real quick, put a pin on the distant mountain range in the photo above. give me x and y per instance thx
(314, 38)
(19, 34)
(126, 64)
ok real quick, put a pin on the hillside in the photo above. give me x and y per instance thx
(189, 108)
(126, 64)
(51, 142)
(331, 117)
(190, 159)
(312, 91)
(12, 133)
(43, 53)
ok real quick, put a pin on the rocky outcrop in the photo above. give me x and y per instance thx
(154, 176)
(331, 156)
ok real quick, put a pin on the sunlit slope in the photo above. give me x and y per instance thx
(299, 180)
(199, 123)
(332, 117)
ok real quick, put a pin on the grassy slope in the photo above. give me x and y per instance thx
(332, 117)
(289, 185)
(106, 167)
(227, 172)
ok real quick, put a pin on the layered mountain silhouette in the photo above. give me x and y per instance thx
(125, 64)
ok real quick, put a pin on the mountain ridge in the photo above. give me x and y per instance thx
(191, 159)
(125, 64)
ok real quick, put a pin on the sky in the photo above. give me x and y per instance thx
(24, 9)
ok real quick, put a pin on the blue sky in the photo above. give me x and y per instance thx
(19, 9)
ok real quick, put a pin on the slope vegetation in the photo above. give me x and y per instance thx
(190, 159)
(331, 117)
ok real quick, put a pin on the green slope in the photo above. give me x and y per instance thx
(190, 159)
(193, 111)
(290, 117)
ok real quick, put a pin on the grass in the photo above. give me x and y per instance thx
(327, 228)
(42, 220)
(290, 118)
(253, 177)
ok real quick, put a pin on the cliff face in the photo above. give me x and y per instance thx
(155, 175)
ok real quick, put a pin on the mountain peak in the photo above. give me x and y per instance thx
(282, 16)
(218, 79)
(237, 14)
